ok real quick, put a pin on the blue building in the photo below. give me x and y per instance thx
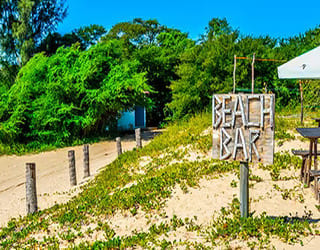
(133, 119)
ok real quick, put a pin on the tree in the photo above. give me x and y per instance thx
(160, 61)
(70, 95)
(158, 49)
(89, 35)
(85, 36)
(24, 24)
(138, 32)
(207, 68)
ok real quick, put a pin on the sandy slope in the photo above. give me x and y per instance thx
(53, 183)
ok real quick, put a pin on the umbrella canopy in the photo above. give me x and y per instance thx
(306, 66)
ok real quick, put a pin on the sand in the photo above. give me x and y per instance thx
(52, 174)
(201, 202)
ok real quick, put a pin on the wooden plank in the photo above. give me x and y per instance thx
(303, 152)
(312, 133)
(243, 127)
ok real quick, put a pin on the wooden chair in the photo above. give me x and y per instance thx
(316, 175)
(305, 172)
(304, 154)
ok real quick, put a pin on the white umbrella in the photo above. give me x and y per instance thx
(306, 66)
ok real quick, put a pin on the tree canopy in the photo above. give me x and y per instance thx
(23, 25)
(78, 83)
(70, 95)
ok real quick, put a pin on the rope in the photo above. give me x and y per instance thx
(261, 59)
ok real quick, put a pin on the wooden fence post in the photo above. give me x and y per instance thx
(31, 189)
(138, 137)
(86, 161)
(244, 189)
(119, 148)
(72, 168)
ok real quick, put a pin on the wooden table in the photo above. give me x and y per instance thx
(313, 134)
(317, 120)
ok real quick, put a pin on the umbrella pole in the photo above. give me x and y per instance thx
(301, 97)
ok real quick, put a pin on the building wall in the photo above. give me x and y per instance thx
(127, 120)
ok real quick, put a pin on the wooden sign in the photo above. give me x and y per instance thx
(243, 127)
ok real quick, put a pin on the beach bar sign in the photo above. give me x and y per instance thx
(243, 127)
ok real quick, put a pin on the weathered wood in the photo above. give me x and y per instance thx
(305, 176)
(86, 166)
(119, 148)
(309, 161)
(72, 168)
(243, 125)
(138, 137)
(303, 152)
(316, 188)
(311, 133)
(244, 189)
(315, 154)
(303, 168)
(301, 101)
(316, 175)
(234, 73)
(317, 120)
(252, 72)
(31, 189)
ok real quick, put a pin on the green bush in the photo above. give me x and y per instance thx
(70, 95)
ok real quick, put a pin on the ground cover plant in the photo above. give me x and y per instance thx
(141, 182)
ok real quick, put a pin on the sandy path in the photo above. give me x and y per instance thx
(52, 175)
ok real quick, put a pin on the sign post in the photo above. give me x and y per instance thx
(243, 130)
(244, 189)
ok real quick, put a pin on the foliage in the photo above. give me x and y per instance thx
(24, 23)
(70, 95)
(158, 49)
(229, 226)
(311, 94)
(207, 67)
(282, 161)
(85, 36)
(124, 186)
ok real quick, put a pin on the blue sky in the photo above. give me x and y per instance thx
(275, 18)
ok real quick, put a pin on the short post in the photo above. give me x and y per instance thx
(244, 189)
(138, 137)
(86, 161)
(31, 189)
(119, 148)
(72, 168)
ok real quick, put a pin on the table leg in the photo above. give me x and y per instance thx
(316, 187)
(315, 168)
(303, 169)
(310, 161)
(315, 154)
